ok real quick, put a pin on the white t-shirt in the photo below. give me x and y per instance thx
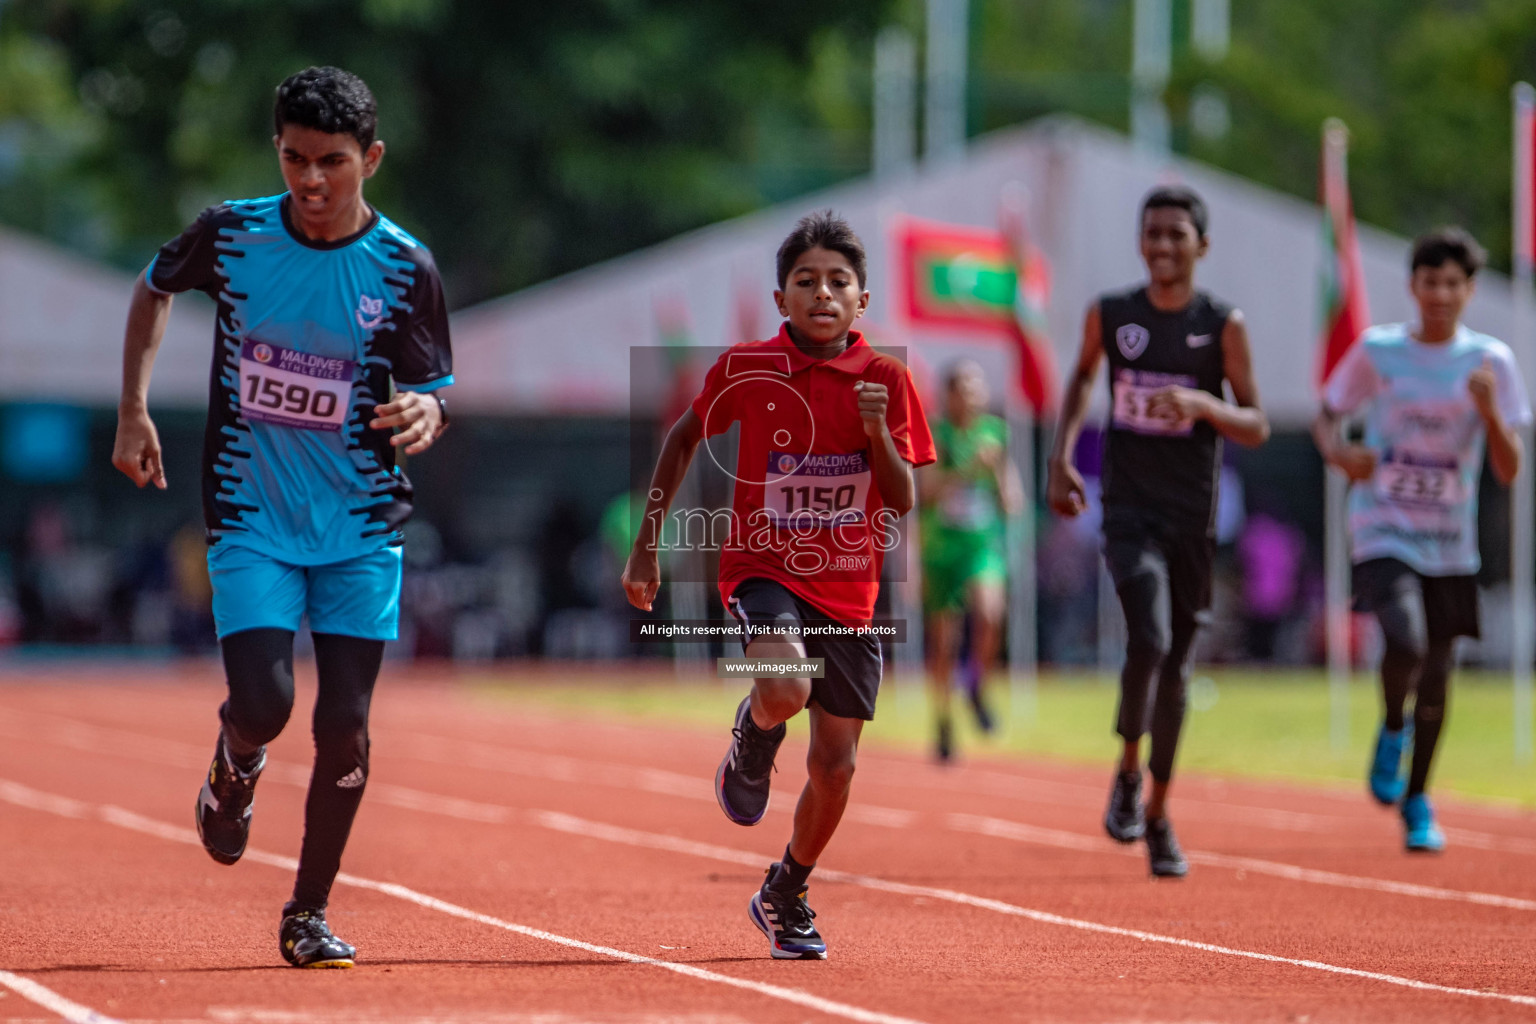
(1420, 506)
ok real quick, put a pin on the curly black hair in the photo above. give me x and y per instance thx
(1448, 244)
(329, 100)
(826, 230)
(1178, 197)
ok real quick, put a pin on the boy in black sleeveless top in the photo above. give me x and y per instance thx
(1170, 349)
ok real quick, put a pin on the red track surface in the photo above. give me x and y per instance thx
(1007, 902)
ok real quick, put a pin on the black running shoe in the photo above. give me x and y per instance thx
(1163, 851)
(1124, 820)
(786, 918)
(944, 741)
(984, 720)
(741, 784)
(224, 805)
(971, 676)
(306, 941)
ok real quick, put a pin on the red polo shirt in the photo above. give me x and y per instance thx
(806, 511)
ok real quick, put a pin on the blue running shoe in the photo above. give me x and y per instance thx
(1387, 782)
(1422, 834)
(786, 919)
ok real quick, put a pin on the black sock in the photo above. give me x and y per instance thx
(791, 875)
(242, 755)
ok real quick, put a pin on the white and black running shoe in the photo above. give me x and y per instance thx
(786, 919)
(306, 941)
(224, 805)
(741, 783)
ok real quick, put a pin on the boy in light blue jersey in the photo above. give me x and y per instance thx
(324, 308)
(1434, 395)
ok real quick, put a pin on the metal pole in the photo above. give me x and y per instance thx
(1023, 598)
(1521, 563)
(1151, 65)
(944, 102)
(1336, 523)
(895, 129)
(1336, 603)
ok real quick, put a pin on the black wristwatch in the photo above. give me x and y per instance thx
(442, 409)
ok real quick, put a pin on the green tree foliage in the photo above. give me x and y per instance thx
(529, 139)
(524, 139)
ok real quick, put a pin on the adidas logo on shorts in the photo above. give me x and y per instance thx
(352, 779)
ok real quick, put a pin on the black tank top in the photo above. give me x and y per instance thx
(1154, 470)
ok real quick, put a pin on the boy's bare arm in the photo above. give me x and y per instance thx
(642, 573)
(1065, 490)
(136, 452)
(892, 473)
(1241, 420)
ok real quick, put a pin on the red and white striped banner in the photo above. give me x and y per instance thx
(1345, 312)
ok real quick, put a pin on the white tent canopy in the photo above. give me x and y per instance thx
(61, 331)
(563, 346)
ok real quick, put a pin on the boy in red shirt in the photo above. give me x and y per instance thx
(830, 432)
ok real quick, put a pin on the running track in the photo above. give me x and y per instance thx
(543, 869)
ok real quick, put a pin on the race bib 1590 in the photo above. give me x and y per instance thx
(1420, 479)
(819, 490)
(1133, 390)
(294, 389)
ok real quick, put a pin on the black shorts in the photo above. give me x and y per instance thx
(853, 666)
(1450, 602)
(1183, 557)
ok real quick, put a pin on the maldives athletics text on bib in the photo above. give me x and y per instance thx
(294, 389)
(816, 490)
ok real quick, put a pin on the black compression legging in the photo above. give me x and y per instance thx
(1153, 682)
(1413, 662)
(259, 666)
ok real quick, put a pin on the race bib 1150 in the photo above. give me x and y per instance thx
(294, 389)
(816, 490)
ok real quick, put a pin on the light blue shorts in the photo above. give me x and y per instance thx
(359, 597)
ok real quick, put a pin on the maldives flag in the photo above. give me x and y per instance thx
(1345, 313)
(975, 279)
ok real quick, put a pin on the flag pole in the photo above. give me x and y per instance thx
(1022, 628)
(1336, 514)
(1521, 562)
(1023, 656)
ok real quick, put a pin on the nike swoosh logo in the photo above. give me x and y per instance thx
(1198, 340)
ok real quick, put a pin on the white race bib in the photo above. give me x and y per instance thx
(1419, 479)
(816, 490)
(294, 389)
(1133, 391)
(968, 506)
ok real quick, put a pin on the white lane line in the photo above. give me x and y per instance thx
(488, 757)
(656, 841)
(1027, 789)
(25, 796)
(559, 768)
(50, 1000)
(576, 772)
(999, 828)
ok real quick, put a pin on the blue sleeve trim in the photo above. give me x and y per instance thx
(149, 277)
(431, 385)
